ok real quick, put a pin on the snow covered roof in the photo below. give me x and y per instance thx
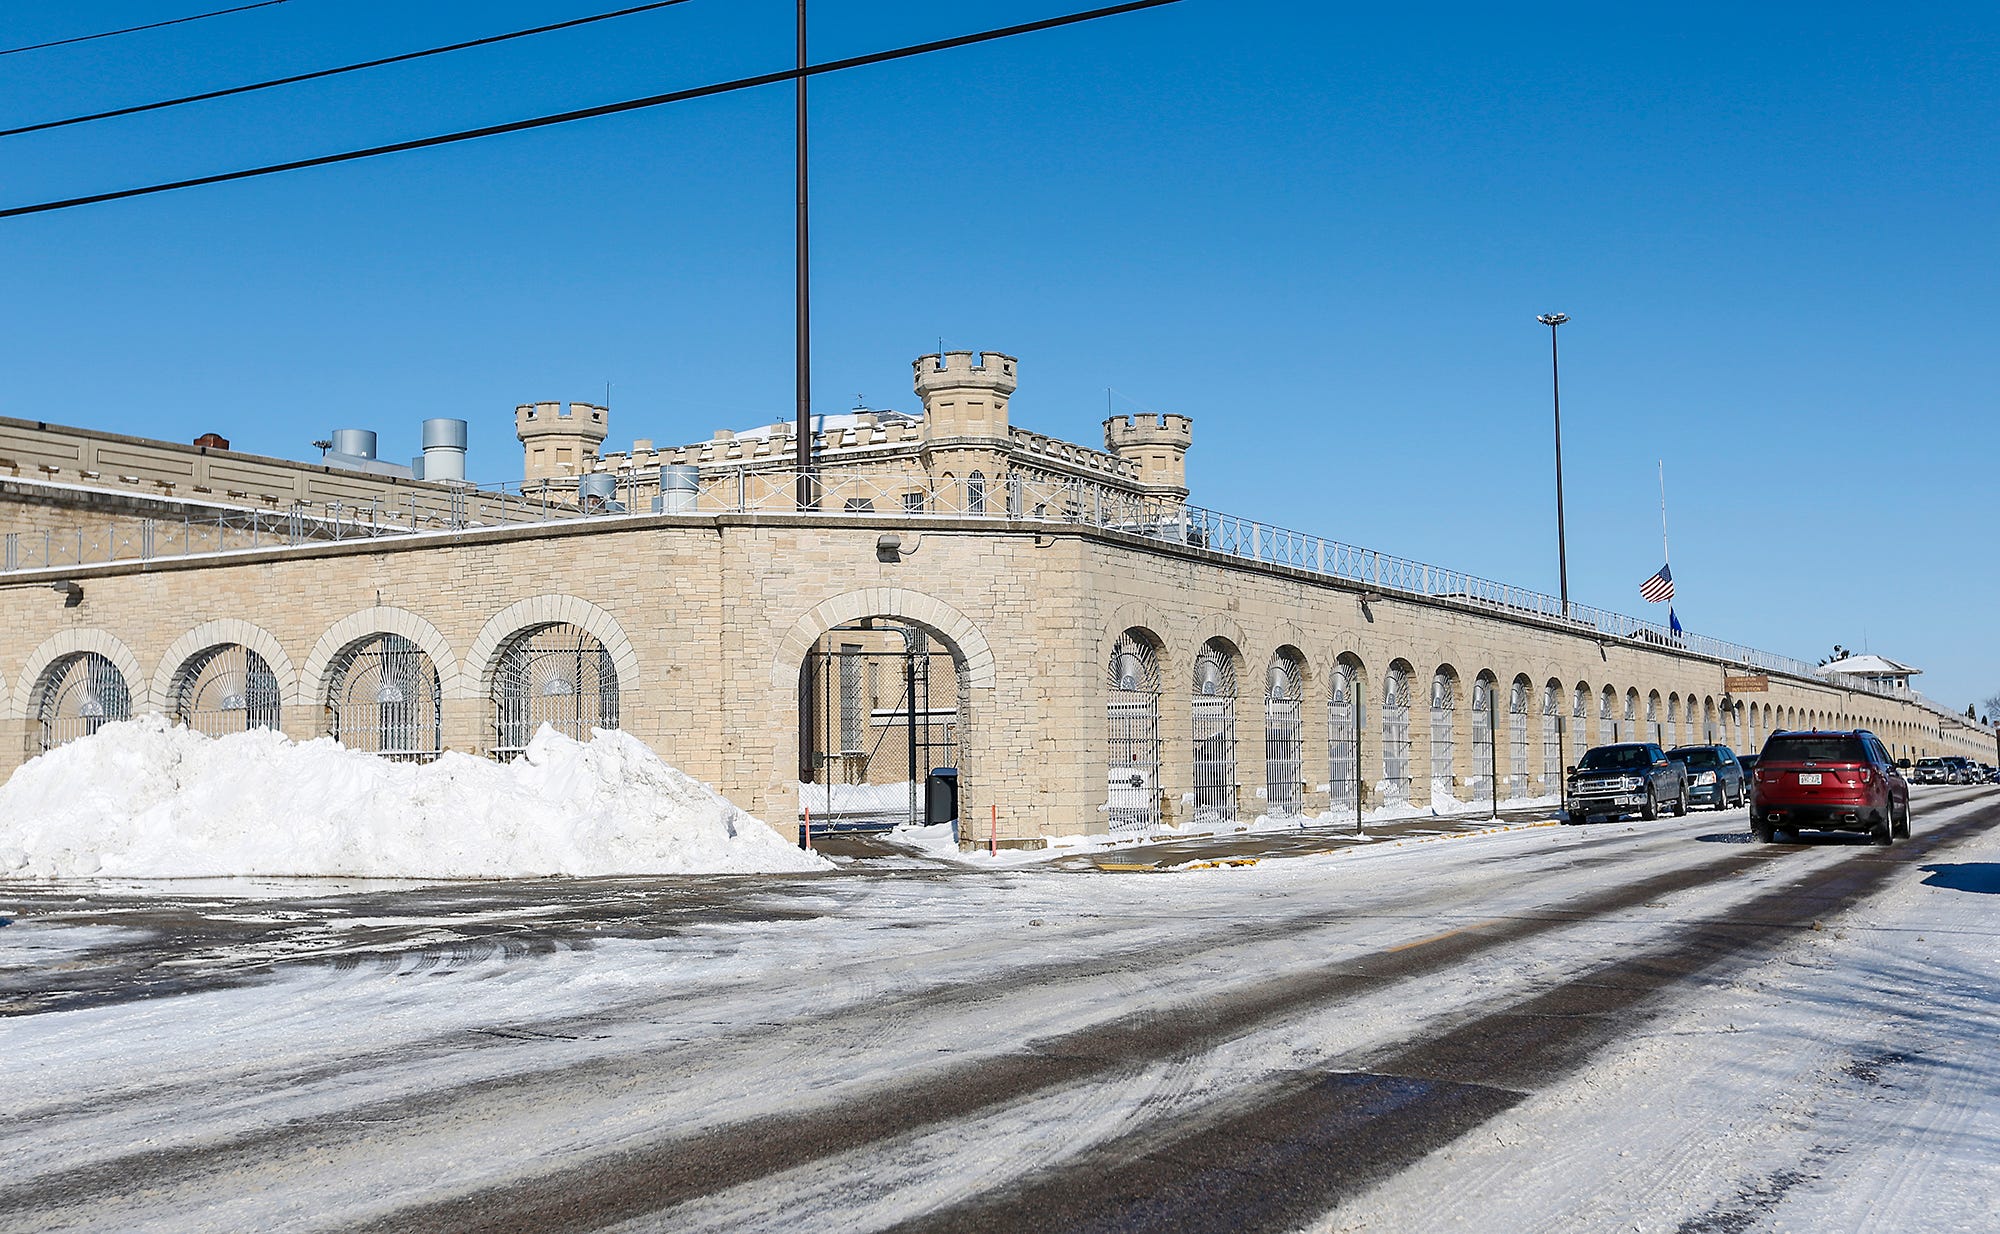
(1871, 666)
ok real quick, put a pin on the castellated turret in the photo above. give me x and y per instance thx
(965, 394)
(558, 441)
(1158, 444)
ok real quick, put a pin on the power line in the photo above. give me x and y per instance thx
(335, 72)
(151, 25)
(606, 109)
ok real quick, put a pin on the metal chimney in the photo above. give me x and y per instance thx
(444, 449)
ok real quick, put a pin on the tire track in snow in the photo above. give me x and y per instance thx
(1254, 1170)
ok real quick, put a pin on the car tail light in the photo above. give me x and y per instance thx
(1865, 775)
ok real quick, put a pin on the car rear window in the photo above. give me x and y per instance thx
(1816, 748)
(1695, 758)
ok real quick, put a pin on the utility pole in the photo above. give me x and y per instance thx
(1552, 321)
(808, 495)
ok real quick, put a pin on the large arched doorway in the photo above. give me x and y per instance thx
(1214, 708)
(556, 674)
(880, 703)
(1285, 734)
(1344, 722)
(384, 696)
(1132, 718)
(78, 694)
(225, 689)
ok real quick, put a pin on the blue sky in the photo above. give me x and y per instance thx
(1322, 231)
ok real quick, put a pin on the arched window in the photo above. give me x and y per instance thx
(1343, 730)
(227, 688)
(1396, 732)
(1579, 720)
(975, 493)
(1607, 717)
(1444, 755)
(1517, 737)
(1654, 733)
(1672, 732)
(384, 697)
(1133, 717)
(1215, 732)
(1552, 718)
(556, 674)
(1285, 734)
(1484, 695)
(77, 695)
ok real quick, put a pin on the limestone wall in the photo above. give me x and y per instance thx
(708, 619)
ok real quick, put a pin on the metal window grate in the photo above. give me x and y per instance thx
(1214, 733)
(1517, 738)
(556, 674)
(77, 695)
(1132, 715)
(1284, 737)
(227, 688)
(1444, 751)
(1396, 735)
(1482, 738)
(384, 697)
(1343, 729)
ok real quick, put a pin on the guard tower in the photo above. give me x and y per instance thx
(965, 442)
(559, 441)
(1158, 443)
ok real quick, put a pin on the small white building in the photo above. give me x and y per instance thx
(1879, 670)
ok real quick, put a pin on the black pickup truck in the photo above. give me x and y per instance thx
(1632, 777)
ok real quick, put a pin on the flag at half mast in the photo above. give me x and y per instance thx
(1659, 588)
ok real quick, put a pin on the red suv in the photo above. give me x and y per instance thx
(1831, 781)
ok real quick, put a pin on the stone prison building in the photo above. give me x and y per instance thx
(1051, 627)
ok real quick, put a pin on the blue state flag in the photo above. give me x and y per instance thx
(1673, 622)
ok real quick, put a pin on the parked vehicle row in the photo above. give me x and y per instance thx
(1828, 781)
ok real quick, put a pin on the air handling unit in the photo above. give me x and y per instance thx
(443, 458)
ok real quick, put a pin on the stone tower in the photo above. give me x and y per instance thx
(558, 441)
(1158, 443)
(965, 439)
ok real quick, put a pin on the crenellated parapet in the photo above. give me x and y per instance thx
(1157, 444)
(559, 440)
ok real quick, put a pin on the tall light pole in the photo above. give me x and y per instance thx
(802, 291)
(1553, 320)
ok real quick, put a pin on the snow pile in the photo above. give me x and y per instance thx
(146, 799)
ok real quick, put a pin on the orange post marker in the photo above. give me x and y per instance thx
(806, 833)
(993, 841)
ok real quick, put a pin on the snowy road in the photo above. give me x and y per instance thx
(1650, 1026)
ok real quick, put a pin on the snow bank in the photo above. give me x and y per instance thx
(146, 799)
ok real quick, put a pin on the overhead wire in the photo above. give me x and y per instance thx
(317, 74)
(604, 109)
(151, 25)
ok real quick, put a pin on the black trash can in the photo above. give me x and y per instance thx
(941, 795)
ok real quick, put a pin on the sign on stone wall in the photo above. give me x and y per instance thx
(1746, 684)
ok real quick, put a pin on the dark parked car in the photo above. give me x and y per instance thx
(1932, 771)
(1715, 778)
(1842, 781)
(1749, 764)
(1632, 777)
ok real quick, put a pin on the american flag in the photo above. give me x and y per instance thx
(1659, 588)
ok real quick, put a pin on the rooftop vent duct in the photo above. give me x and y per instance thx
(597, 493)
(354, 442)
(444, 450)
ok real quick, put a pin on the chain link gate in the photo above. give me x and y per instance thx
(384, 697)
(226, 689)
(81, 693)
(878, 714)
(558, 674)
(1132, 714)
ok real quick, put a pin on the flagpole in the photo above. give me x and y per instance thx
(1664, 555)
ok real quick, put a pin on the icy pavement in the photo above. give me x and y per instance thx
(1624, 1026)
